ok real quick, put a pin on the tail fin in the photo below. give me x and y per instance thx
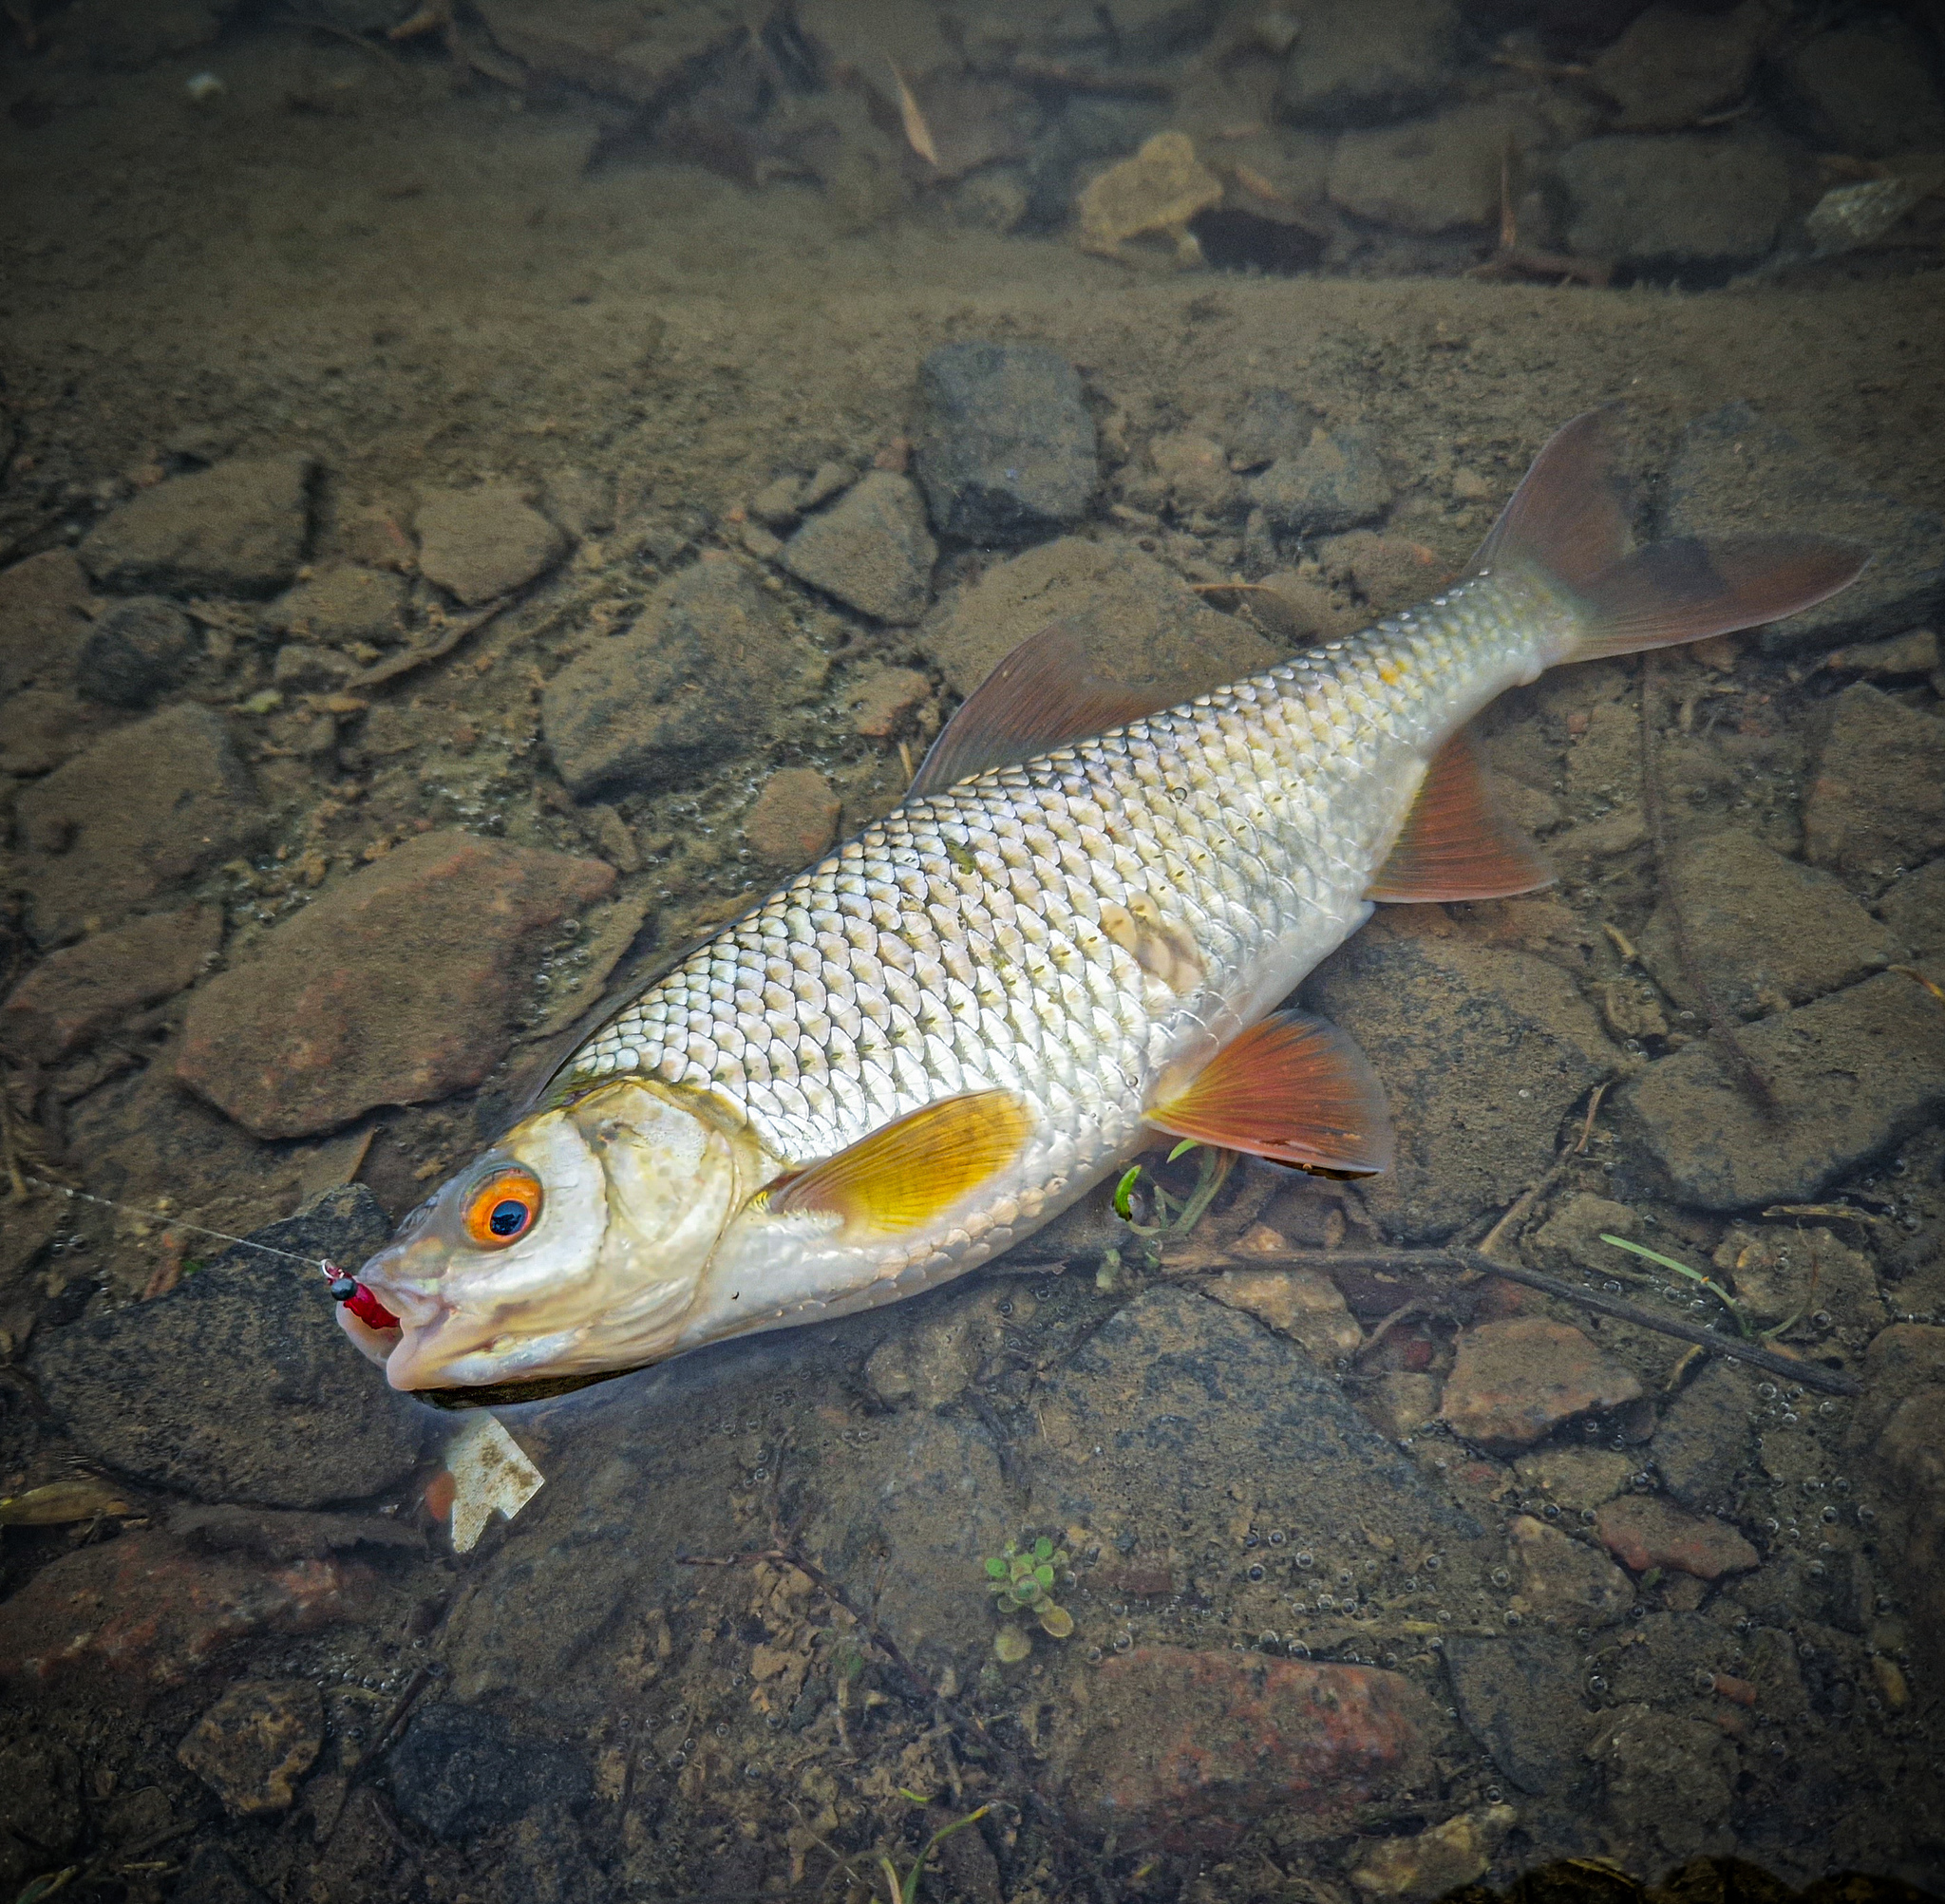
(1568, 521)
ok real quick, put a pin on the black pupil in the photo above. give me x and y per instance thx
(509, 1218)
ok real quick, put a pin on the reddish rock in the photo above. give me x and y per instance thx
(880, 699)
(147, 1609)
(137, 813)
(75, 994)
(1643, 1531)
(1195, 1746)
(479, 543)
(1516, 1381)
(401, 986)
(794, 818)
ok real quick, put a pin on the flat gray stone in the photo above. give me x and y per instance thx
(1336, 481)
(1680, 199)
(1914, 908)
(481, 543)
(1704, 1439)
(871, 549)
(137, 652)
(239, 529)
(1427, 174)
(42, 624)
(1519, 1696)
(1852, 1075)
(1354, 63)
(1670, 67)
(1868, 90)
(1875, 806)
(1736, 475)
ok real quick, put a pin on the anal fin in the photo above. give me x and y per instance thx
(1456, 843)
(915, 1168)
(1294, 1090)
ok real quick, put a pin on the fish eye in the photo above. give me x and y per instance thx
(503, 1206)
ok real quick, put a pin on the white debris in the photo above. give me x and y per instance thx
(489, 1473)
(1849, 216)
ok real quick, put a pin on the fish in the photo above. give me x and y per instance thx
(1073, 938)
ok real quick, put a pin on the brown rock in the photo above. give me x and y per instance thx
(1900, 1423)
(147, 1609)
(1671, 67)
(1558, 1576)
(1436, 1861)
(341, 603)
(42, 624)
(255, 1741)
(1667, 1785)
(1570, 1238)
(1914, 908)
(480, 543)
(75, 994)
(871, 549)
(401, 986)
(1643, 1531)
(1386, 571)
(1304, 1304)
(794, 818)
(238, 529)
(634, 53)
(880, 700)
(40, 729)
(1192, 1746)
(139, 811)
(1515, 1381)
(1878, 801)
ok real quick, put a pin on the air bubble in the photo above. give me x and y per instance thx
(1500, 1578)
(1275, 1536)
(1255, 1572)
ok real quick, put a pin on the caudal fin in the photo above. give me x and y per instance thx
(1567, 522)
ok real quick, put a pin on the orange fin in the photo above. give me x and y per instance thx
(1569, 517)
(1294, 1090)
(1456, 843)
(1042, 695)
(899, 1179)
(1687, 590)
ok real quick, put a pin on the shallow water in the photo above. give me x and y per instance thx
(446, 399)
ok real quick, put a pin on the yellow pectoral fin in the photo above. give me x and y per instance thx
(900, 1178)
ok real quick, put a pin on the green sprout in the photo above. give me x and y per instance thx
(1176, 1219)
(898, 1890)
(1024, 1583)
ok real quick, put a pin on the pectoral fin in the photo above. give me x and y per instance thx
(1457, 844)
(1294, 1090)
(897, 1179)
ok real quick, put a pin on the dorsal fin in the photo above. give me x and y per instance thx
(1042, 695)
(1456, 843)
(915, 1168)
(1295, 1089)
(1568, 519)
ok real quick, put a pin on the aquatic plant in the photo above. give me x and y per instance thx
(1023, 1582)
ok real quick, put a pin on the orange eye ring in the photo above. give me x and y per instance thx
(503, 1207)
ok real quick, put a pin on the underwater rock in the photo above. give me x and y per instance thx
(399, 986)
(1434, 1863)
(794, 818)
(39, 729)
(1702, 1441)
(481, 543)
(1765, 932)
(132, 36)
(1519, 1697)
(1868, 90)
(145, 1611)
(1677, 198)
(636, 53)
(137, 652)
(1558, 1578)
(1665, 1785)
(75, 994)
(1643, 1531)
(1272, 424)
(1143, 628)
(139, 811)
(1900, 1428)
(1851, 1075)
(1570, 1238)
(1005, 447)
(300, 1423)
(1304, 1304)
(1671, 67)
(1195, 473)
(1154, 194)
(1193, 1746)
(1877, 802)
(339, 604)
(710, 662)
(1335, 481)
(1914, 908)
(1516, 1381)
(239, 529)
(458, 1772)
(1735, 474)
(882, 700)
(870, 548)
(1352, 64)
(1482, 1051)
(42, 623)
(252, 1746)
(1429, 174)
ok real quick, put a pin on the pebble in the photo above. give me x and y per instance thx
(1663, 201)
(144, 1610)
(795, 818)
(1643, 1531)
(254, 1742)
(708, 665)
(882, 700)
(1385, 573)
(480, 544)
(1570, 1238)
(136, 814)
(1482, 1050)
(1671, 67)
(137, 652)
(1702, 1441)
(779, 503)
(1914, 908)
(1353, 65)
(1304, 1304)
(1272, 424)
(459, 1773)
(870, 548)
(1193, 1746)
(1518, 1695)
(1515, 1381)
(1432, 1863)
(339, 604)
(301, 1423)
(42, 620)
(1868, 90)
(41, 1815)
(1005, 447)
(1735, 474)
(401, 985)
(82, 991)
(1875, 804)
(1556, 1577)
(1194, 473)
(239, 529)
(1851, 1074)
(1575, 1477)
(1336, 481)
(1900, 1426)
(1428, 175)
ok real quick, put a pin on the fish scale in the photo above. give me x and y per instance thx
(957, 946)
